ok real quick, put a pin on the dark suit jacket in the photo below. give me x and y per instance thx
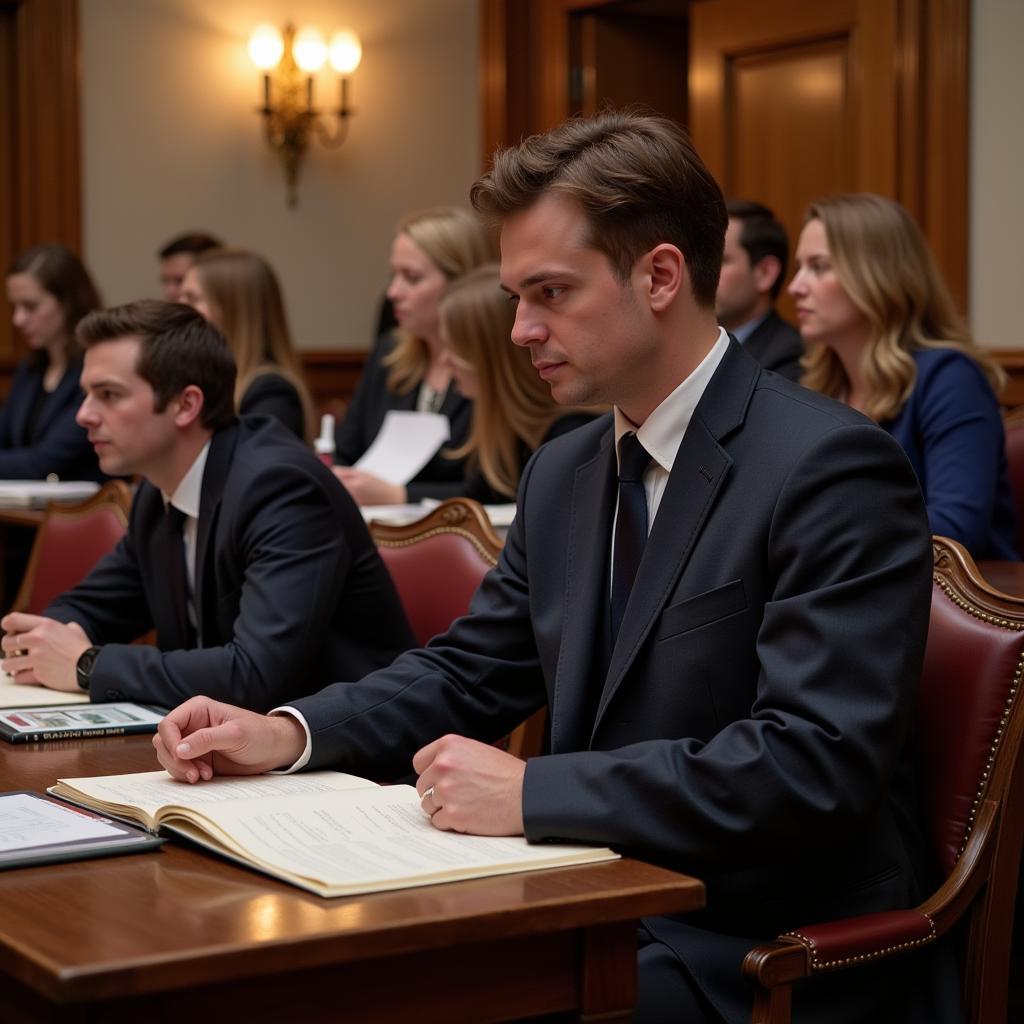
(777, 346)
(441, 477)
(60, 445)
(290, 589)
(952, 431)
(751, 725)
(270, 394)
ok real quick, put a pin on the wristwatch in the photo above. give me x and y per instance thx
(84, 666)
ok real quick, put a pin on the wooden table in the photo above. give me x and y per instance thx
(177, 934)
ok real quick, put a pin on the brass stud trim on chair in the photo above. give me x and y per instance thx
(817, 964)
(440, 532)
(1004, 718)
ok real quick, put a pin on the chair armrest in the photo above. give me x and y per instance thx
(836, 944)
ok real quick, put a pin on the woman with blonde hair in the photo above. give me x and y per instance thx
(405, 370)
(884, 336)
(513, 411)
(239, 292)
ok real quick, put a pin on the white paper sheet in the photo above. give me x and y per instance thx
(27, 822)
(405, 443)
(36, 493)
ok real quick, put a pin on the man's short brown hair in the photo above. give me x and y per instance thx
(638, 180)
(177, 347)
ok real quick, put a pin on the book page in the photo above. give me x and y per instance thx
(362, 840)
(151, 791)
(30, 695)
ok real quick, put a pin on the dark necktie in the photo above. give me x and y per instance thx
(630, 525)
(177, 573)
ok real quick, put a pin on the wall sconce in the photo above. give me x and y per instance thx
(289, 61)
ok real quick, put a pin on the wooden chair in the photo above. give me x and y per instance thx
(970, 714)
(69, 542)
(437, 563)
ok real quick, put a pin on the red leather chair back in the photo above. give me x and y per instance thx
(972, 669)
(438, 562)
(69, 542)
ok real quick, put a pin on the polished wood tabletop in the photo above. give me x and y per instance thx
(179, 931)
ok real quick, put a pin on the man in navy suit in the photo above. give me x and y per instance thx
(753, 272)
(243, 552)
(720, 591)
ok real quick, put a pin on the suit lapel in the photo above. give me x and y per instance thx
(700, 467)
(585, 597)
(218, 463)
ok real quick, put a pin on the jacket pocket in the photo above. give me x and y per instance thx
(702, 610)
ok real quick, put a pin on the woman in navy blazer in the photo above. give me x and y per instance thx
(49, 292)
(883, 335)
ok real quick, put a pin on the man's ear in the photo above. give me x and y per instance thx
(667, 276)
(766, 272)
(190, 406)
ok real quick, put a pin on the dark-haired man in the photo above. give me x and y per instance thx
(245, 555)
(178, 255)
(753, 272)
(721, 592)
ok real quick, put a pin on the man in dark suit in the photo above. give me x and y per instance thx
(753, 272)
(720, 591)
(243, 552)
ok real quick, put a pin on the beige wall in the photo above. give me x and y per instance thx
(997, 170)
(171, 142)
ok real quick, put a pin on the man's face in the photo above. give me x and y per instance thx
(589, 335)
(737, 298)
(172, 272)
(128, 434)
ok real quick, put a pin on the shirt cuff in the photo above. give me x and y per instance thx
(306, 753)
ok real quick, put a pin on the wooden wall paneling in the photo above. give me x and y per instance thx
(40, 176)
(944, 206)
(48, 156)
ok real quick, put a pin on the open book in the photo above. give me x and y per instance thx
(333, 834)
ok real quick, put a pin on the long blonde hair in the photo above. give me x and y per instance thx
(245, 302)
(455, 241)
(513, 406)
(883, 263)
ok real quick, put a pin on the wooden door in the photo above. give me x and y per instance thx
(791, 101)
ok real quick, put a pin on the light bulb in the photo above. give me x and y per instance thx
(309, 50)
(266, 47)
(346, 52)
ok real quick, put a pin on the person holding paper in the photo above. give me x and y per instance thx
(253, 566)
(239, 291)
(405, 371)
(721, 592)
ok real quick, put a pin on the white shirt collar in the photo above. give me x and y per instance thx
(188, 492)
(662, 431)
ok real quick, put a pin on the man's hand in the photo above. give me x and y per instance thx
(367, 489)
(39, 650)
(468, 786)
(202, 738)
